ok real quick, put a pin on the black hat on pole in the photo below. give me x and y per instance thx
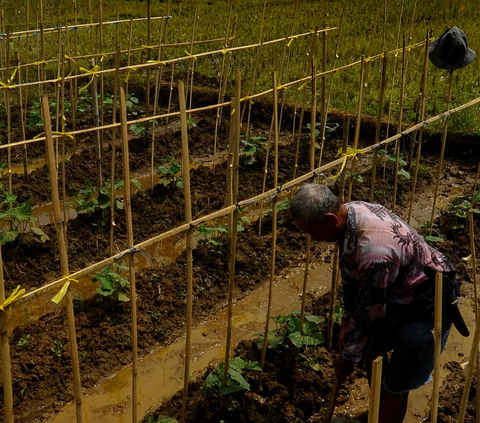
(451, 50)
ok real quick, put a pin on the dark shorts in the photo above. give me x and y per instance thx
(411, 363)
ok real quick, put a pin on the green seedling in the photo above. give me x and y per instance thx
(22, 343)
(338, 314)
(18, 216)
(57, 348)
(288, 329)
(252, 145)
(459, 210)
(213, 236)
(112, 284)
(169, 172)
(237, 371)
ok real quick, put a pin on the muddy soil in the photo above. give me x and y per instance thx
(295, 386)
(103, 324)
(451, 396)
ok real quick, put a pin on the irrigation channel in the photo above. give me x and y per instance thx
(145, 213)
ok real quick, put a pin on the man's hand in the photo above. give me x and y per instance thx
(343, 368)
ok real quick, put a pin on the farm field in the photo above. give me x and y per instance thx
(149, 152)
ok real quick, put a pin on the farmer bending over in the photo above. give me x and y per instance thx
(388, 278)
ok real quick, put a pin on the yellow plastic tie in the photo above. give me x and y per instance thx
(149, 47)
(350, 154)
(65, 134)
(74, 65)
(282, 87)
(14, 296)
(368, 59)
(41, 62)
(232, 38)
(14, 73)
(397, 53)
(293, 37)
(191, 55)
(63, 290)
(5, 85)
(233, 111)
(225, 51)
(101, 58)
(301, 87)
(247, 98)
(156, 62)
(92, 72)
(128, 73)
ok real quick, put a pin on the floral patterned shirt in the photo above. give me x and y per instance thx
(381, 260)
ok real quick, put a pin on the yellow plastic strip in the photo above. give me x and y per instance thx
(350, 154)
(128, 74)
(15, 295)
(65, 134)
(93, 72)
(149, 47)
(301, 87)
(291, 40)
(191, 55)
(63, 290)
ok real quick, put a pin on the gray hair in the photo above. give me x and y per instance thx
(312, 202)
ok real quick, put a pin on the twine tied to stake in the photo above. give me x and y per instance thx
(63, 290)
(128, 73)
(293, 37)
(14, 296)
(65, 134)
(191, 55)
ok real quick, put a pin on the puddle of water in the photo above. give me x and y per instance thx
(160, 371)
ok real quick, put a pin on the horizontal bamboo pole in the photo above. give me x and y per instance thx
(166, 62)
(113, 53)
(19, 34)
(227, 210)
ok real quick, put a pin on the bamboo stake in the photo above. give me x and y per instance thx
(324, 110)
(8, 110)
(189, 242)
(334, 63)
(63, 121)
(357, 127)
(313, 116)
(113, 153)
(470, 369)
(370, 44)
(285, 77)
(394, 72)
(191, 66)
(27, 45)
(375, 390)
(299, 136)
(442, 151)
(274, 218)
(59, 228)
(57, 95)
(336, 262)
(475, 288)
(399, 127)
(5, 350)
(158, 80)
(420, 133)
(233, 168)
(96, 123)
(43, 67)
(312, 166)
(149, 42)
(437, 344)
(255, 65)
(379, 126)
(22, 120)
(102, 82)
(129, 51)
(128, 216)
(219, 99)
